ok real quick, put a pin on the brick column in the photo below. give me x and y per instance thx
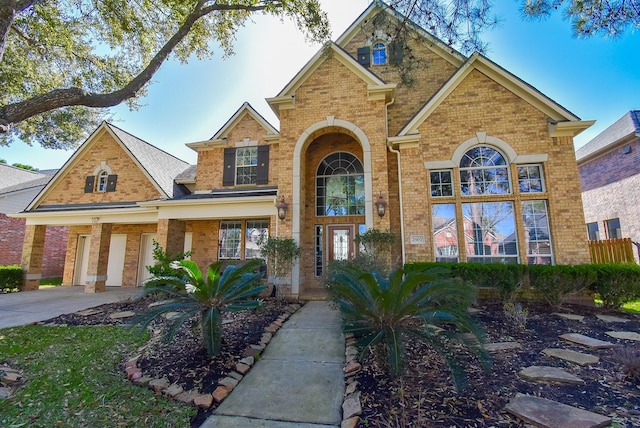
(170, 235)
(98, 258)
(32, 255)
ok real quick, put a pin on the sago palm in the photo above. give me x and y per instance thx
(384, 313)
(192, 294)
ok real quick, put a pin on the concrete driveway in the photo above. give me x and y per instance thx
(26, 307)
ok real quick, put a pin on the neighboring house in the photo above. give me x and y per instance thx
(18, 187)
(609, 167)
(374, 133)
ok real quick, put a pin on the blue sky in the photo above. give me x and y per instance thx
(594, 78)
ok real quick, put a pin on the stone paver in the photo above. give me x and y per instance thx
(551, 414)
(501, 346)
(549, 374)
(572, 317)
(626, 335)
(572, 356)
(89, 312)
(611, 318)
(120, 315)
(587, 341)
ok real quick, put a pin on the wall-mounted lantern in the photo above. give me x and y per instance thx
(381, 206)
(282, 208)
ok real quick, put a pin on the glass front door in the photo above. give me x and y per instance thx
(341, 244)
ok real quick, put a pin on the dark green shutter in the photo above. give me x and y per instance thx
(111, 183)
(89, 183)
(262, 173)
(229, 173)
(364, 56)
(395, 52)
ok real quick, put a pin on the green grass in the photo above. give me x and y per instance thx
(50, 282)
(632, 307)
(75, 378)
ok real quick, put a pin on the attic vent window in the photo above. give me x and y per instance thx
(379, 53)
(102, 181)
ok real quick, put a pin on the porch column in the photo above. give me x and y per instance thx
(32, 255)
(98, 258)
(170, 235)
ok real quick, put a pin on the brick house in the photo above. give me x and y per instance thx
(18, 187)
(432, 135)
(609, 168)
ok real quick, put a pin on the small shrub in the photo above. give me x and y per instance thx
(375, 249)
(164, 260)
(11, 278)
(629, 358)
(384, 313)
(280, 255)
(516, 315)
(617, 284)
(554, 283)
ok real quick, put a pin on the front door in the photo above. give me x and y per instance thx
(340, 242)
(82, 260)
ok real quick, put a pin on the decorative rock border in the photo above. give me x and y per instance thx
(10, 380)
(162, 386)
(351, 406)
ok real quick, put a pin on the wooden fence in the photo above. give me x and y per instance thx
(612, 251)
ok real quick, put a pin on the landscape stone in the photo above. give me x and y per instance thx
(235, 375)
(220, 393)
(159, 384)
(248, 361)
(501, 346)
(551, 414)
(351, 388)
(572, 356)
(587, 341)
(173, 390)
(352, 367)
(351, 406)
(89, 312)
(204, 401)
(549, 374)
(611, 318)
(350, 423)
(250, 352)
(242, 368)
(160, 303)
(170, 316)
(229, 382)
(473, 311)
(11, 377)
(142, 381)
(187, 396)
(4, 392)
(572, 317)
(120, 315)
(626, 335)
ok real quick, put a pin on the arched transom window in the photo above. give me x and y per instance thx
(101, 185)
(340, 186)
(484, 171)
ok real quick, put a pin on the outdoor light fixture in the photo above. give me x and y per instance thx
(381, 206)
(282, 208)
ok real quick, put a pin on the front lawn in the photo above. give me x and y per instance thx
(74, 378)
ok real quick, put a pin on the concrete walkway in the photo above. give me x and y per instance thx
(26, 307)
(298, 381)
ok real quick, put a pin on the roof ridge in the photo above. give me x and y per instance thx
(111, 125)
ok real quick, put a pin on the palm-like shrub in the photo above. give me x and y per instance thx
(384, 313)
(191, 294)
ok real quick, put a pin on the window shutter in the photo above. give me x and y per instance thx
(364, 56)
(229, 173)
(111, 183)
(395, 52)
(89, 182)
(262, 172)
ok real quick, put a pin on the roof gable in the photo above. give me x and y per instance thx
(159, 167)
(376, 87)
(628, 126)
(556, 113)
(436, 45)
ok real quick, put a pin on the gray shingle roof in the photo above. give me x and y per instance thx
(627, 125)
(11, 176)
(160, 165)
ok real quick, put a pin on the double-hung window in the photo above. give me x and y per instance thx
(246, 165)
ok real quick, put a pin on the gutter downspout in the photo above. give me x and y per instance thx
(397, 152)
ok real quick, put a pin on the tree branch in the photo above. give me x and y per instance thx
(19, 111)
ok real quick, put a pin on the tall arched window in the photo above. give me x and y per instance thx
(101, 185)
(379, 53)
(484, 171)
(340, 186)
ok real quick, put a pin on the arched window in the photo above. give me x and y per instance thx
(101, 185)
(484, 171)
(379, 53)
(340, 186)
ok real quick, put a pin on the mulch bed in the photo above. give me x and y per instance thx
(424, 396)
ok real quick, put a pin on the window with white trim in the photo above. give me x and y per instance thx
(612, 228)
(101, 183)
(340, 186)
(230, 237)
(255, 230)
(490, 232)
(537, 232)
(592, 231)
(445, 232)
(441, 182)
(530, 178)
(379, 53)
(484, 171)
(246, 165)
